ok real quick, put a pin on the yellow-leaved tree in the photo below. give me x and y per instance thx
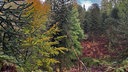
(37, 39)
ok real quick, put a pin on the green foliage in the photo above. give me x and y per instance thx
(38, 40)
(11, 22)
(26, 41)
(114, 13)
(41, 49)
(91, 61)
(74, 33)
(94, 22)
(106, 6)
(82, 15)
(67, 17)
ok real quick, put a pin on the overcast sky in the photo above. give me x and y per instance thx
(88, 3)
(85, 3)
(92, 1)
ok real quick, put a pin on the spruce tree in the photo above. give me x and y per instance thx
(69, 24)
(74, 33)
(123, 27)
(11, 23)
(94, 20)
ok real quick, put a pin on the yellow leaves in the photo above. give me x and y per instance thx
(39, 63)
(29, 39)
(52, 61)
(51, 43)
(61, 49)
(46, 60)
(38, 41)
(53, 30)
(43, 39)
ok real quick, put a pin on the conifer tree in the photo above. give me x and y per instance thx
(82, 14)
(106, 6)
(123, 27)
(11, 23)
(38, 39)
(94, 20)
(117, 30)
(66, 15)
(74, 34)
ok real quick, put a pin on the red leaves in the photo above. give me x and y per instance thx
(8, 68)
(95, 49)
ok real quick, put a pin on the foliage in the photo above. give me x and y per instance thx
(37, 36)
(69, 24)
(94, 23)
(38, 40)
(97, 49)
(74, 33)
(11, 22)
(82, 15)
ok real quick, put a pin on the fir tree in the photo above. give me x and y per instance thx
(69, 24)
(11, 23)
(123, 27)
(74, 33)
(94, 21)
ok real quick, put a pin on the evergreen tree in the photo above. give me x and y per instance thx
(117, 30)
(114, 13)
(38, 39)
(11, 24)
(94, 20)
(123, 27)
(74, 33)
(67, 18)
(82, 14)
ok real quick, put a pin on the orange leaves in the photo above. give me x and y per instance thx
(36, 3)
(38, 6)
(95, 49)
(40, 13)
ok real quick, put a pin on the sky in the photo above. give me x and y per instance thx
(85, 3)
(88, 3)
(92, 1)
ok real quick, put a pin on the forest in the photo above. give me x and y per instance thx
(63, 36)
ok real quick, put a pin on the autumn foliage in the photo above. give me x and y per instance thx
(97, 49)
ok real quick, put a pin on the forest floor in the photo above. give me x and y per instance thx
(95, 51)
(94, 48)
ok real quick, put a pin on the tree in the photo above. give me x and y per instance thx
(94, 20)
(122, 28)
(74, 34)
(114, 13)
(106, 6)
(69, 25)
(11, 23)
(38, 39)
(82, 14)
(117, 30)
